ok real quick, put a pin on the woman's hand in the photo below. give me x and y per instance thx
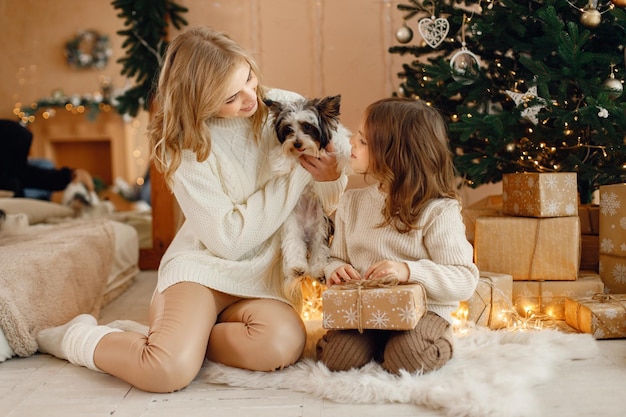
(387, 268)
(323, 168)
(343, 273)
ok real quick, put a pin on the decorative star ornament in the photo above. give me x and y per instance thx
(529, 112)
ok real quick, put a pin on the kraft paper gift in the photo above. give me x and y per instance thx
(492, 297)
(613, 219)
(601, 315)
(536, 249)
(354, 305)
(613, 272)
(534, 194)
(548, 297)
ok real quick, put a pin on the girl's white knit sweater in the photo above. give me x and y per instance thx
(438, 253)
(229, 240)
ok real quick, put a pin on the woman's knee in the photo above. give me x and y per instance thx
(172, 374)
(281, 334)
(261, 335)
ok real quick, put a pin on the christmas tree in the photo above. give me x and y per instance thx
(146, 24)
(528, 85)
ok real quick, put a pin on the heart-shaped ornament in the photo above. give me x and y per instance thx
(433, 31)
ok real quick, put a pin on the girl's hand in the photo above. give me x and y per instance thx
(343, 273)
(387, 268)
(323, 168)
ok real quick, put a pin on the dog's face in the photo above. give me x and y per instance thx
(305, 127)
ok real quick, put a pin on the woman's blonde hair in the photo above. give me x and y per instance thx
(410, 156)
(191, 89)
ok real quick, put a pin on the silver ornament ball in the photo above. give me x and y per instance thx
(404, 34)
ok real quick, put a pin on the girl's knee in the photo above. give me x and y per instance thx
(426, 348)
(341, 350)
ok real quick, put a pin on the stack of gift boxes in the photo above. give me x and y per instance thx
(535, 237)
(604, 314)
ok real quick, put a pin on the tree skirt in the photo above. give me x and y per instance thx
(493, 373)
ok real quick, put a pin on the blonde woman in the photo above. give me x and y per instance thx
(219, 283)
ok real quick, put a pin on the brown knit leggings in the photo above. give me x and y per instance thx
(188, 322)
(425, 348)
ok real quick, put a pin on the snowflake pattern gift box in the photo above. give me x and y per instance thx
(612, 237)
(602, 315)
(533, 194)
(396, 307)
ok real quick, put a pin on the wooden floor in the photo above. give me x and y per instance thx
(45, 386)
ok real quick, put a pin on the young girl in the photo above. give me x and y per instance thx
(407, 226)
(219, 291)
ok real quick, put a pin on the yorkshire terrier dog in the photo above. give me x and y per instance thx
(306, 127)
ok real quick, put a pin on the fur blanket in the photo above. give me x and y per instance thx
(49, 274)
(493, 373)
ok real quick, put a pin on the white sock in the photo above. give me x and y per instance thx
(80, 341)
(51, 340)
(75, 341)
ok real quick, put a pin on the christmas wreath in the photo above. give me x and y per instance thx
(88, 49)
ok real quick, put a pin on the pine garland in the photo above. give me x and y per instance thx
(146, 23)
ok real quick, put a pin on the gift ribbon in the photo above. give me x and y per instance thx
(359, 285)
(597, 297)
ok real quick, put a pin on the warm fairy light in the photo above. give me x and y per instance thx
(312, 299)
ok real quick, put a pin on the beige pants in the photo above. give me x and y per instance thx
(189, 322)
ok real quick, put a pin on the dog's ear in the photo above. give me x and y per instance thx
(329, 106)
(274, 106)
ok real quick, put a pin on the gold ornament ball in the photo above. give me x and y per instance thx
(404, 34)
(591, 18)
(619, 3)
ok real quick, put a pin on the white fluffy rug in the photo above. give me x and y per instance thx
(493, 373)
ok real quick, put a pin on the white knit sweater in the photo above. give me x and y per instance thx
(438, 253)
(229, 240)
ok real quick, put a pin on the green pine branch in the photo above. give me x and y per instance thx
(146, 23)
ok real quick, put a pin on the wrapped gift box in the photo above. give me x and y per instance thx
(613, 219)
(602, 315)
(612, 269)
(534, 194)
(548, 297)
(589, 215)
(529, 248)
(492, 297)
(393, 308)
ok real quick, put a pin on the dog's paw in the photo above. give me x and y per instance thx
(318, 274)
(296, 272)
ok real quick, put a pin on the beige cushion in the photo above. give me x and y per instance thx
(38, 211)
